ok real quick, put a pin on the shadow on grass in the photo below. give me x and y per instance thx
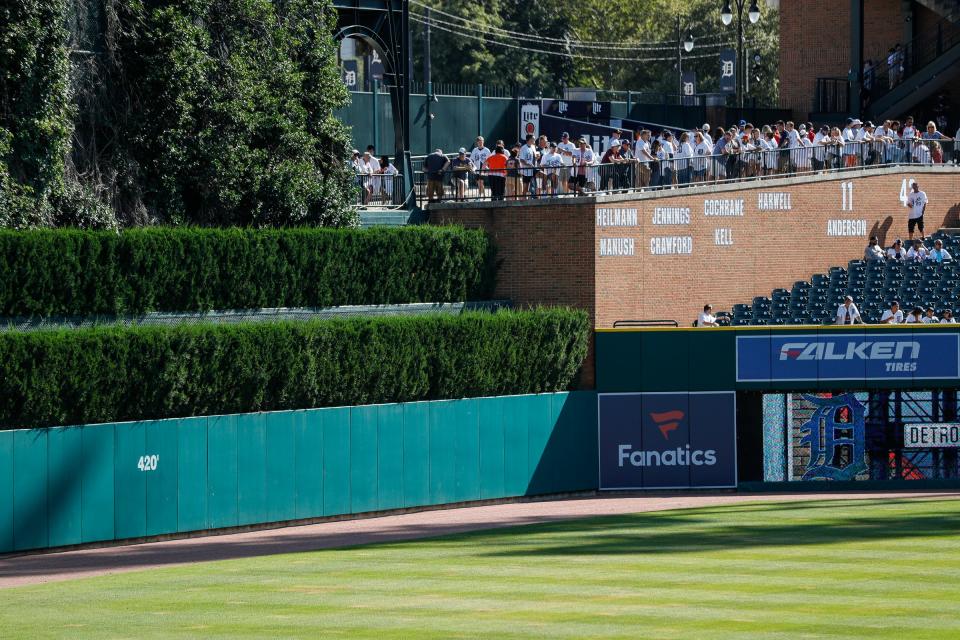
(690, 531)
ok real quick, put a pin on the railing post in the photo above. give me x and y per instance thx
(629, 102)
(376, 114)
(480, 109)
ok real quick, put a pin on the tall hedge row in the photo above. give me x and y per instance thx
(73, 272)
(114, 374)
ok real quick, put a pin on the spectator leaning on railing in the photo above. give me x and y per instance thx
(434, 166)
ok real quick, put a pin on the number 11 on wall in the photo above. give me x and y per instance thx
(846, 196)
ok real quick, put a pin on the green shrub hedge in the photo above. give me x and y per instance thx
(112, 374)
(72, 272)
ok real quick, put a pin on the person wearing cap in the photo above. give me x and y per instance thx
(947, 317)
(818, 161)
(583, 160)
(611, 178)
(897, 252)
(893, 315)
(366, 172)
(847, 313)
(701, 151)
(435, 165)
(683, 155)
(550, 164)
(930, 317)
(707, 319)
(918, 252)
(478, 156)
(915, 316)
(615, 138)
(361, 172)
(705, 130)
(528, 163)
(664, 155)
(873, 251)
(566, 149)
(852, 136)
(460, 169)
(641, 153)
(917, 201)
(389, 172)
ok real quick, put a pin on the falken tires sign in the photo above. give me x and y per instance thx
(857, 356)
(667, 440)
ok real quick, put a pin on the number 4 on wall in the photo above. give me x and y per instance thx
(846, 196)
(905, 187)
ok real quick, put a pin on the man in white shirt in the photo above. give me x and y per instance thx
(930, 317)
(566, 149)
(947, 317)
(873, 251)
(707, 319)
(917, 252)
(641, 151)
(705, 129)
(583, 160)
(915, 316)
(478, 156)
(852, 136)
(917, 201)
(528, 160)
(551, 163)
(893, 315)
(921, 153)
(847, 313)
(939, 254)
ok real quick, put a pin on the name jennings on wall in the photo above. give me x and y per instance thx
(667, 245)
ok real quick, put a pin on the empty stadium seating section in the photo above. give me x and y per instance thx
(873, 286)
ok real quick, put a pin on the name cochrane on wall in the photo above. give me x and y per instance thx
(671, 215)
(774, 201)
(616, 217)
(846, 227)
(617, 246)
(671, 245)
(723, 207)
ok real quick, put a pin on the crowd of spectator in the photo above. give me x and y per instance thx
(539, 167)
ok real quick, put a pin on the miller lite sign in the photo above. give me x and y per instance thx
(529, 119)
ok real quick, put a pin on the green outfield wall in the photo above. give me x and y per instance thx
(92, 483)
(707, 359)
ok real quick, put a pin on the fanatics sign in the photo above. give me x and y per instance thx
(667, 440)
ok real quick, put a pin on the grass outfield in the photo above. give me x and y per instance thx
(844, 569)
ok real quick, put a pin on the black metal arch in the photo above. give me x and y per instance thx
(385, 25)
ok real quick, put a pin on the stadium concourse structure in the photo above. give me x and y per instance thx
(664, 254)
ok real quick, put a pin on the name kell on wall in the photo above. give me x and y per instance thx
(723, 237)
(617, 246)
(671, 245)
(774, 201)
(671, 215)
(723, 207)
(616, 217)
(847, 228)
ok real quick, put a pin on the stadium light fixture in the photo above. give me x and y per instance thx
(688, 43)
(754, 14)
(726, 15)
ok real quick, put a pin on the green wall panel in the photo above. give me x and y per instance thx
(491, 447)
(416, 453)
(443, 468)
(363, 458)
(192, 479)
(466, 429)
(222, 472)
(308, 441)
(516, 426)
(98, 452)
(281, 465)
(130, 482)
(539, 430)
(336, 461)
(64, 487)
(30, 524)
(162, 483)
(390, 458)
(6, 491)
(251, 468)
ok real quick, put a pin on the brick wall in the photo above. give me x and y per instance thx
(549, 251)
(815, 43)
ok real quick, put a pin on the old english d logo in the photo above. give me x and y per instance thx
(667, 421)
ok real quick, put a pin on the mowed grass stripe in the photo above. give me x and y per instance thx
(878, 569)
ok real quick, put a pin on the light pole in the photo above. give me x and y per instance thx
(687, 45)
(726, 15)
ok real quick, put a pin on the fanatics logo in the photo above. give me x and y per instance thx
(667, 421)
